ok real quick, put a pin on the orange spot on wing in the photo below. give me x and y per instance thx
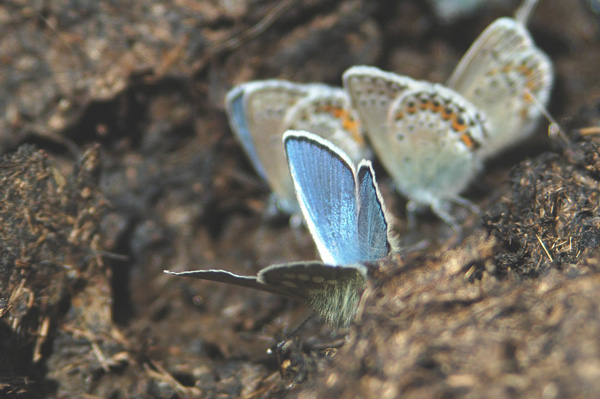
(526, 71)
(446, 114)
(348, 122)
(524, 113)
(507, 68)
(466, 138)
(458, 124)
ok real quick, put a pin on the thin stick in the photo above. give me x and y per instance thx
(545, 249)
(588, 131)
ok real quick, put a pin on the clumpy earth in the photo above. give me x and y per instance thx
(118, 162)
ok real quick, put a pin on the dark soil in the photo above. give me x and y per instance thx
(118, 163)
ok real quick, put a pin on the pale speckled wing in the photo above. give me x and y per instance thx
(236, 113)
(372, 91)
(494, 74)
(425, 135)
(327, 112)
(333, 291)
(261, 111)
(434, 137)
(266, 104)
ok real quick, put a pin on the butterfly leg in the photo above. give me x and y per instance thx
(467, 204)
(274, 214)
(272, 211)
(297, 221)
(442, 210)
(412, 208)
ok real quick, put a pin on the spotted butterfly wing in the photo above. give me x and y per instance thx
(426, 136)
(500, 73)
(256, 112)
(327, 112)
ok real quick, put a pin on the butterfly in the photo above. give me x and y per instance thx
(426, 136)
(433, 139)
(260, 112)
(347, 219)
(501, 73)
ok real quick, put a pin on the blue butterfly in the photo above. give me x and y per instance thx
(347, 220)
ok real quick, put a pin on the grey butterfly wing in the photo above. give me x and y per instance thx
(324, 179)
(450, 11)
(373, 229)
(496, 72)
(267, 105)
(432, 144)
(256, 112)
(333, 291)
(372, 91)
(236, 113)
(425, 135)
(223, 276)
(327, 112)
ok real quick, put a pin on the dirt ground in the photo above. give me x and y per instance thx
(118, 162)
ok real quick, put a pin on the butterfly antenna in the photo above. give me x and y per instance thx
(301, 325)
(525, 10)
(554, 129)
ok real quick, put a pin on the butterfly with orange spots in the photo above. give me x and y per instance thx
(433, 139)
(427, 136)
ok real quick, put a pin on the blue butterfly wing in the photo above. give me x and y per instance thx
(372, 224)
(325, 186)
